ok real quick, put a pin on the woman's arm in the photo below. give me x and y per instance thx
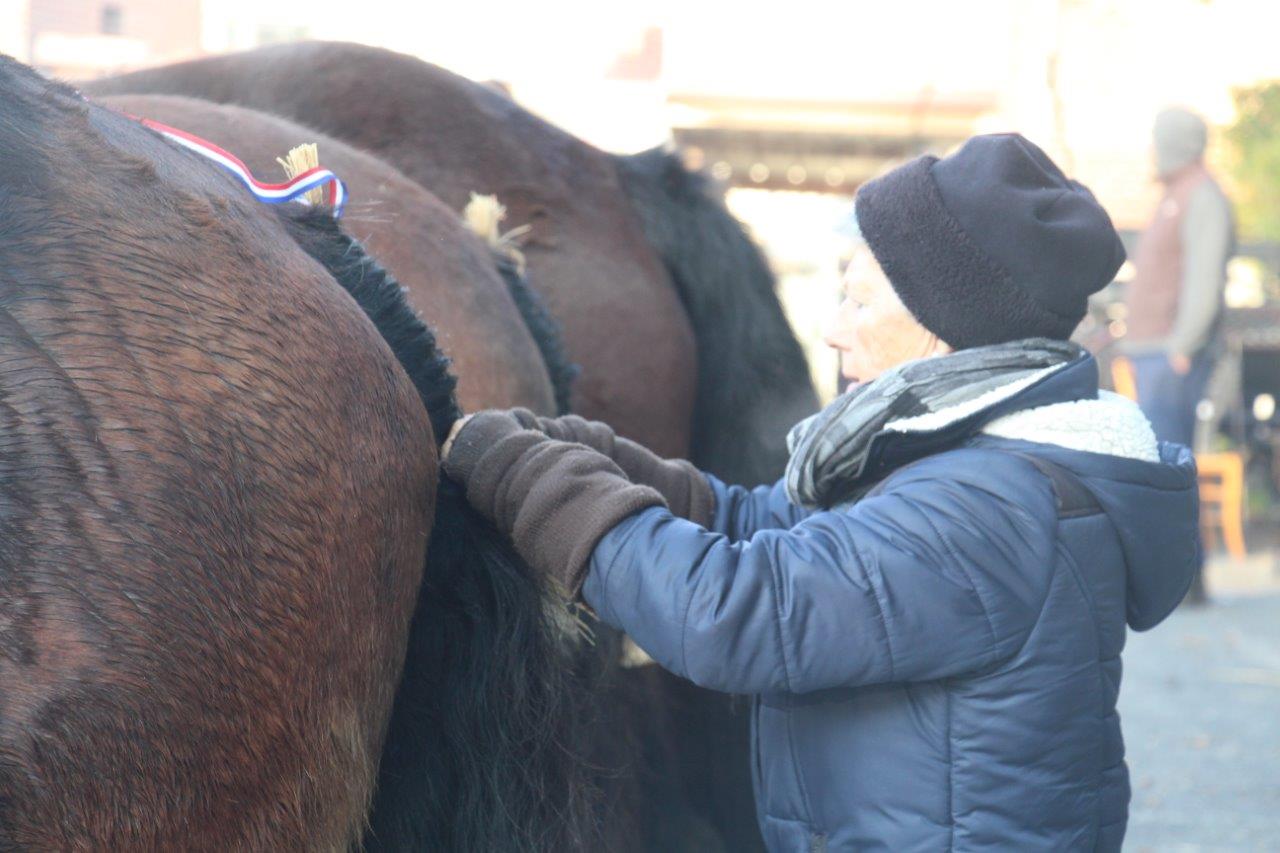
(928, 580)
(695, 495)
(741, 512)
(942, 573)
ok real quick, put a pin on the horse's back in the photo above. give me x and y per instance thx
(448, 273)
(587, 254)
(215, 489)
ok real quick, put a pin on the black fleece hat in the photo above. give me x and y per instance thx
(990, 244)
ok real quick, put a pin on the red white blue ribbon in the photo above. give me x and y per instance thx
(292, 190)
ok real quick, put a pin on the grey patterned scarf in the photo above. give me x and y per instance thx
(829, 450)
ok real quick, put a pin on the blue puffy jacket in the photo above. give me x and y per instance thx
(935, 667)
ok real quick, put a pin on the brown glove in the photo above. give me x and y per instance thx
(554, 499)
(686, 490)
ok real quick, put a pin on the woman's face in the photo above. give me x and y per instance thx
(872, 330)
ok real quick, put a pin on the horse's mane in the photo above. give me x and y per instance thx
(483, 751)
(545, 330)
(381, 297)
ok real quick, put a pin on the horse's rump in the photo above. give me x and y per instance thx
(215, 489)
(545, 329)
(447, 271)
(587, 255)
(485, 741)
(606, 234)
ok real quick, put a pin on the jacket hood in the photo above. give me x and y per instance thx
(1147, 489)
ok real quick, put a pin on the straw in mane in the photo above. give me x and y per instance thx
(484, 215)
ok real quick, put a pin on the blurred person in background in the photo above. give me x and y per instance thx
(1176, 297)
(929, 608)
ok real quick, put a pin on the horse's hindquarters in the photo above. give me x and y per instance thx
(215, 490)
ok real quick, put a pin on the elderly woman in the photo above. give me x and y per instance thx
(930, 608)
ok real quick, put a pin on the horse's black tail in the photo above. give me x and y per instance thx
(482, 751)
(753, 382)
(544, 328)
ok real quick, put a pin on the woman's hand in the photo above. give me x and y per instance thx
(684, 487)
(553, 499)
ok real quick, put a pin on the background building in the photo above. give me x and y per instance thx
(84, 38)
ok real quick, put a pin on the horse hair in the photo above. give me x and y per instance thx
(545, 330)
(382, 300)
(482, 751)
(753, 381)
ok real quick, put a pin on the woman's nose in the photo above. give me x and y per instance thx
(837, 331)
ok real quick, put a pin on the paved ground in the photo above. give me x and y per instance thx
(1200, 705)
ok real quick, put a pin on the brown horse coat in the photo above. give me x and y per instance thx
(623, 320)
(448, 271)
(466, 304)
(216, 486)
(604, 229)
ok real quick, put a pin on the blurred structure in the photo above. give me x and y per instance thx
(14, 28)
(816, 146)
(87, 38)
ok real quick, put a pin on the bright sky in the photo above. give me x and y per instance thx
(1120, 61)
(1119, 57)
(837, 46)
(831, 48)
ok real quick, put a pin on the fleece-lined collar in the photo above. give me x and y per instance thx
(905, 440)
(1111, 425)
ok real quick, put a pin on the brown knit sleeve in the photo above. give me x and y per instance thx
(554, 499)
(681, 484)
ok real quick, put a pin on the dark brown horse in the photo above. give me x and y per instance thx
(661, 293)
(613, 238)
(216, 484)
(422, 242)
